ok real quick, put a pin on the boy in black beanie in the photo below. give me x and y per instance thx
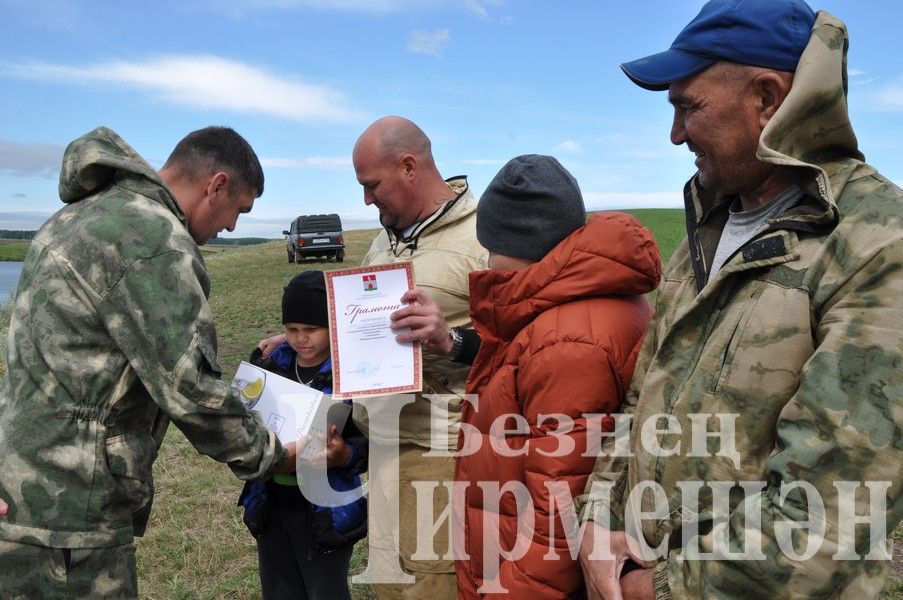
(304, 550)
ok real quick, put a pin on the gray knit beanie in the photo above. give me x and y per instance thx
(529, 207)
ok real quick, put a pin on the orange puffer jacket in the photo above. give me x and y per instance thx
(559, 337)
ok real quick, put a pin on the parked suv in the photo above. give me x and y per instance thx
(317, 236)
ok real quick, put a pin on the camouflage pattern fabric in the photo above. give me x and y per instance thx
(799, 336)
(61, 574)
(110, 338)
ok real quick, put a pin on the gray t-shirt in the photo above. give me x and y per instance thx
(742, 226)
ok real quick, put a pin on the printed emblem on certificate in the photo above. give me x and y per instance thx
(287, 408)
(366, 359)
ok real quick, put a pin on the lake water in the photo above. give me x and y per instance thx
(9, 279)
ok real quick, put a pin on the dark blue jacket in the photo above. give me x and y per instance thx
(334, 526)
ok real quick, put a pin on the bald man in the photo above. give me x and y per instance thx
(431, 222)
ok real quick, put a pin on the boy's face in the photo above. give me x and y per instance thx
(310, 343)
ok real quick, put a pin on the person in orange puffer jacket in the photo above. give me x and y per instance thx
(560, 315)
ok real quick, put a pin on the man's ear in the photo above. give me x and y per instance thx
(408, 165)
(217, 186)
(771, 88)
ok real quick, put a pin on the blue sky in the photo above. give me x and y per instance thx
(300, 79)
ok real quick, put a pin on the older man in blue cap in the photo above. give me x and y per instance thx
(766, 408)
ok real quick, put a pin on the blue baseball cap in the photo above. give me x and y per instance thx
(762, 33)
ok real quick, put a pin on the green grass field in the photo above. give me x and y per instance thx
(196, 546)
(13, 250)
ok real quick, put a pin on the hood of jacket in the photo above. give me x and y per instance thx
(99, 158)
(612, 255)
(810, 135)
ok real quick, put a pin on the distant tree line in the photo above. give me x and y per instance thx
(16, 234)
(243, 241)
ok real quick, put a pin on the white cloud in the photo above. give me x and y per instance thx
(622, 200)
(889, 97)
(314, 162)
(428, 42)
(568, 146)
(479, 8)
(205, 82)
(855, 72)
(30, 158)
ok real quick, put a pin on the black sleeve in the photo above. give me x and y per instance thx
(256, 357)
(470, 347)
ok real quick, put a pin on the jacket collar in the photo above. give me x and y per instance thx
(450, 212)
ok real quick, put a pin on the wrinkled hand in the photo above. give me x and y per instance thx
(4, 508)
(638, 585)
(268, 345)
(603, 574)
(335, 452)
(426, 321)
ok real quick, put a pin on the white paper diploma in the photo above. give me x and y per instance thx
(289, 409)
(366, 359)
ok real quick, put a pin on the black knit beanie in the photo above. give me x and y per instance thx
(304, 299)
(529, 207)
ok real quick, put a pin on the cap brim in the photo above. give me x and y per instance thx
(656, 72)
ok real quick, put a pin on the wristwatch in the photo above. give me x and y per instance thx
(457, 343)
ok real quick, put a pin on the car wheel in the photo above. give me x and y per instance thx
(340, 256)
(291, 256)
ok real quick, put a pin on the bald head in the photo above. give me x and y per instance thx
(393, 161)
(392, 137)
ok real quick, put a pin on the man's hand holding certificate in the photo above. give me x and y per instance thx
(367, 361)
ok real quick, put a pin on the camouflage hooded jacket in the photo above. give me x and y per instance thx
(111, 337)
(798, 342)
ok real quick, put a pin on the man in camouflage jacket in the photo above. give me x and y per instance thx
(111, 337)
(797, 339)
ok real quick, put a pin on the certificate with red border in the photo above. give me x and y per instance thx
(366, 359)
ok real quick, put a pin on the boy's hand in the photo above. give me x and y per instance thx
(335, 452)
(4, 508)
(268, 345)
